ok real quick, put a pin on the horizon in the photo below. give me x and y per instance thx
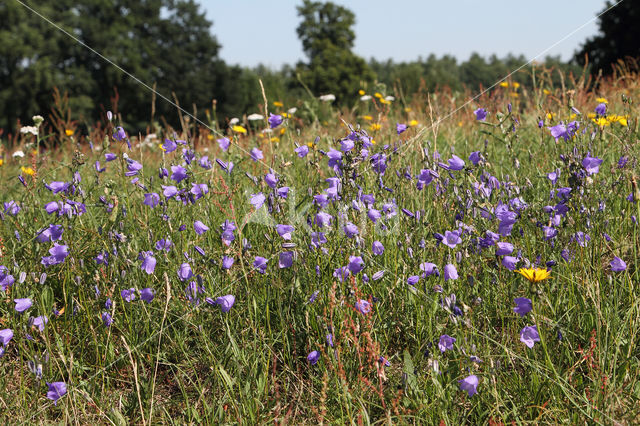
(502, 32)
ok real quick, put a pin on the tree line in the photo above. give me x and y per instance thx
(169, 45)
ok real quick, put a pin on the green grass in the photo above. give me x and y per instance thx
(172, 361)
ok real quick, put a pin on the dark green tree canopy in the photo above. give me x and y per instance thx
(327, 38)
(324, 23)
(619, 37)
(162, 42)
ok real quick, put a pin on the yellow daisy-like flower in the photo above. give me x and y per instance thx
(551, 115)
(275, 139)
(284, 129)
(161, 148)
(407, 109)
(591, 115)
(534, 275)
(602, 100)
(361, 92)
(516, 85)
(378, 95)
(504, 84)
(601, 121)
(278, 104)
(310, 144)
(367, 117)
(68, 132)
(413, 123)
(28, 171)
(384, 101)
(210, 136)
(375, 126)
(372, 141)
(239, 129)
(1, 161)
(546, 92)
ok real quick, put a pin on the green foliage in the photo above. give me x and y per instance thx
(327, 38)
(619, 38)
(166, 43)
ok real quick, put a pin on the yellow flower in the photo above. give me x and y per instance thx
(546, 92)
(504, 84)
(534, 275)
(162, 147)
(378, 95)
(459, 123)
(413, 123)
(361, 92)
(367, 117)
(275, 139)
(310, 144)
(278, 104)
(239, 129)
(573, 116)
(551, 116)
(602, 100)
(284, 129)
(384, 101)
(210, 136)
(591, 115)
(601, 121)
(514, 94)
(375, 126)
(68, 132)
(372, 141)
(28, 171)
(516, 85)
(622, 120)
(407, 109)
(1, 161)
(285, 115)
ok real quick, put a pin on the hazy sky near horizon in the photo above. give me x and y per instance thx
(254, 32)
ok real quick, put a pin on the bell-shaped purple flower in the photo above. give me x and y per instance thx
(481, 114)
(529, 335)
(147, 294)
(257, 200)
(23, 304)
(469, 384)
(260, 263)
(591, 164)
(313, 357)
(256, 154)
(57, 389)
(200, 227)
(302, 151)
(275, 120)
(523, 306)
(377, 248)
(618, 265)
(446, 343)
(450, 272)
(363, 306)
(225, 302)
(185, 272)
(285, 260)
(356, 264)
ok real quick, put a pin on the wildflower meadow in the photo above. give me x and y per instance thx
(440, 259)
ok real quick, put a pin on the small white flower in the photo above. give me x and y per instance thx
(255, 117)
(390, 98)
(292, 110)
(18, 153)
(29, 129)
(234, 120)
(267, 131)
(365, 98)
(327, 98)
(37, 120)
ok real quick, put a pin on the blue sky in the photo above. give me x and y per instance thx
(261, 31)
